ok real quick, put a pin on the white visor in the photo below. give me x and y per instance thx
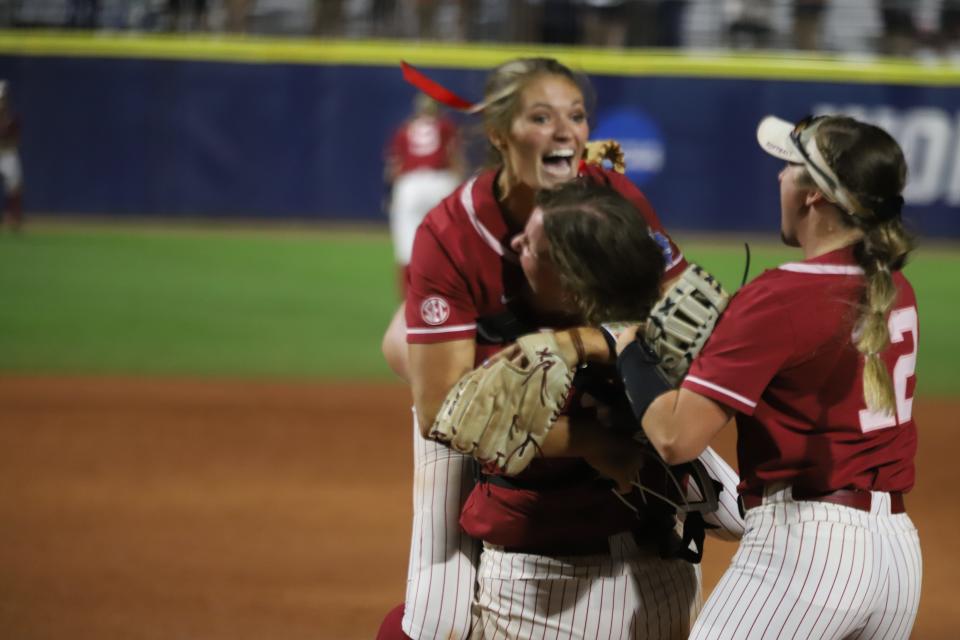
(774, 136)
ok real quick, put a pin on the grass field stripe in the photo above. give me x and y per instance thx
(240, 49)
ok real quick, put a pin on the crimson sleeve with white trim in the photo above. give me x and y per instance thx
(750, 344)
(439, 307)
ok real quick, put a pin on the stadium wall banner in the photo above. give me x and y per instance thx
(260, 128)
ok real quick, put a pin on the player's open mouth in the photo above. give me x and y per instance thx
(559, 163)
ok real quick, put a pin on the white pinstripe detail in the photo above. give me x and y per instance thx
(818, 570)
(451, 329)
(830, 582)
(822, 269)
(723, 390)
(442, 566)
(466, 199)
(631, 593)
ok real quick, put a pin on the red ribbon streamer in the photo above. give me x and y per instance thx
(433, 89)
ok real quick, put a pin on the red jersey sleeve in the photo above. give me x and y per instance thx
(750, 344)
(439, 306)
(673, 257)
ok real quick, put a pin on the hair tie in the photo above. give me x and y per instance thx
(889, 208)
(435, 90)
(445, 96)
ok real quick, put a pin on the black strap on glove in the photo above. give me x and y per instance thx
(637, 365)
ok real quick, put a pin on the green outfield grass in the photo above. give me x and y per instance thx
(207, 302)
(124, 299)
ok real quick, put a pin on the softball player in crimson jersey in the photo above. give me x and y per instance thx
(10, 170)
(424, 165)
(816, 360)
(463, 303)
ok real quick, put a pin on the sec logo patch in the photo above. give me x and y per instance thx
(434, 310)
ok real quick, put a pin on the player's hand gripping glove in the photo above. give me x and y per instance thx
(597, 151)
(501, 412)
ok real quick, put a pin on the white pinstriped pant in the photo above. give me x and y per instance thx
(818, 570)
(631, 593)
(441, 573)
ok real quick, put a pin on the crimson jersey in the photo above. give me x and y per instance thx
(783, 357)
(463, 269)
(463, 272)
(423, 142)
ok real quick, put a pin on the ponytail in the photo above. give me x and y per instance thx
(884, 249)
(871, 166)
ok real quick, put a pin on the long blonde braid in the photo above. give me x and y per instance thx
(884, 246)
(872, 167)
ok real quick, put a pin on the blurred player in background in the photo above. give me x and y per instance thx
(424, 163)
(10, 170)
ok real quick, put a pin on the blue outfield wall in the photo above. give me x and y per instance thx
(171, 136)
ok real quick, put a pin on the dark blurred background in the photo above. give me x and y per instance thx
(899, 27)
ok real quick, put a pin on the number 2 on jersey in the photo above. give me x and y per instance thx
(901, 322)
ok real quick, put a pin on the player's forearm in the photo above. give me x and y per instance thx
(575, 439)
(663, 435)
(680, 424)
(427, 400)
(594, 345)
(614, 455)
(434, 370)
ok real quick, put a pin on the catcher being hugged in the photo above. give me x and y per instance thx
(571, 496)
(562, 553)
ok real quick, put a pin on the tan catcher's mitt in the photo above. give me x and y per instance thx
(500, 413)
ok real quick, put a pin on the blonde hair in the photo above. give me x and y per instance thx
(870, 164)
(505, 84)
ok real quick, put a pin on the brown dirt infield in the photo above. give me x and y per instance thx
(204, 509)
